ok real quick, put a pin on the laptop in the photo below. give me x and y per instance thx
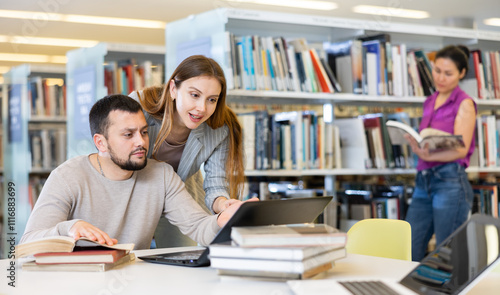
(287, 211)
(454, 267)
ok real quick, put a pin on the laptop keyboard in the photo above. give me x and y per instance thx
(183, 256)
(368, 288)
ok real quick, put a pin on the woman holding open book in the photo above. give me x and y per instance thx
(190, 125)
(443, 195)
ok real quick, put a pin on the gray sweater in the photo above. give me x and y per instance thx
(126, 210)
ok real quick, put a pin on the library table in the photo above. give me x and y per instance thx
(140, 277)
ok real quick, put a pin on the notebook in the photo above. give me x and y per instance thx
(288, 211)
(454, 267)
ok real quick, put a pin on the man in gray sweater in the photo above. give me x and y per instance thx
(117, 194)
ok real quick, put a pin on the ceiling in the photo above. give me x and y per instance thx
(170, 10)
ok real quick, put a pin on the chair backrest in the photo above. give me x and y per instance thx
(380, 237)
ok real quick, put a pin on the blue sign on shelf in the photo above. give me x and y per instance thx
(200, 46)
(84, 79)
(15, 114)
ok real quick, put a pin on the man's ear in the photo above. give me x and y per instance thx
(173, 89)
(100, 142)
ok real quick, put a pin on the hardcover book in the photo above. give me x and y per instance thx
(436, 140)
(81, 255)
(77, 267)
(275, 265)
(283, 253)
(274, 275)
(287, 235)
(61, 244)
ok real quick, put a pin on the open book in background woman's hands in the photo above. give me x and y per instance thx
(436, 140)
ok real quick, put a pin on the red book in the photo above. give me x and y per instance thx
(478, 69)
(496, 78)
(80, 256)
(324, 81)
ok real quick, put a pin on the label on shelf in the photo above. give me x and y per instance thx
(14, 114)
(84, 79)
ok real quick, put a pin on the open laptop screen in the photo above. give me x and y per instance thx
(459, 260)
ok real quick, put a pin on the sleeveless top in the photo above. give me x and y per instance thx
(444, 119)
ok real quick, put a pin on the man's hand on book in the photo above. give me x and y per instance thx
(422, 153)
(228, 212)
(84, 229)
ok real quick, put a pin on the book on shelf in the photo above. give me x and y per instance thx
(81, 255)
(62, 244)
(485, 200)
(354, 152)
(303, 56)
(47, 100)
(78, 267)
(277, 265)
(345, 59)
(403, 155)
(247, 121)
(374, 84)
(292, 234)
(434, 139)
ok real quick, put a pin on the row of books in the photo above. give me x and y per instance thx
(46, 99)
(125, 76)
(274, 63)
(303, 140)
(61, 253)
(279, 252)
(487, 141)
(361, 201)
(48, 147)
(369, 65)
(485, 199)
(484, 73)
(35, 186)
(289, 140)
(366, 65)
(372, 65)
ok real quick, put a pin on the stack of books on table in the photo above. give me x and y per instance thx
(62, 254)
(282, 252)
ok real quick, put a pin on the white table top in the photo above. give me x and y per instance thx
(141, 277)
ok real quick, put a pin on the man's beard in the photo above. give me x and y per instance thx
(128, 164)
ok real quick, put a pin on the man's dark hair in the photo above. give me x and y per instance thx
(99, 114)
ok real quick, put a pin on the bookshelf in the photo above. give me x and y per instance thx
(207, 33)
(86, 76)
(41, 136)
(19, 118)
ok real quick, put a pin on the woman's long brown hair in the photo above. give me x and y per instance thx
(159, 104)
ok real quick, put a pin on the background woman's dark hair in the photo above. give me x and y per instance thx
(459, 54)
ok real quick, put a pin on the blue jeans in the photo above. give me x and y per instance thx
(441, 202)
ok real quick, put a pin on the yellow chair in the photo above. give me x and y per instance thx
(380, 237)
